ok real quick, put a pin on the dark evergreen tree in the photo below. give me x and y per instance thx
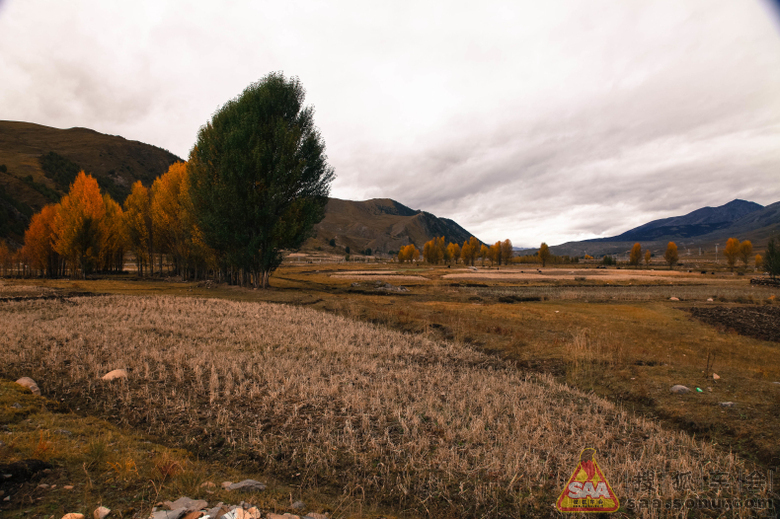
(259, 176)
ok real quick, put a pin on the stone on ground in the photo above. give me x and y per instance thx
(248, 485)
(100, 512)
(73, 516)
(113, 375)
(29, 384)
(169, 514)
(188, 504)
(679, 389)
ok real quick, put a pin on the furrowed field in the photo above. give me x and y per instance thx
(449, 400)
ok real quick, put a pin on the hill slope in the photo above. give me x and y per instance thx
(703, 228)
(382, 225)
(40, 162)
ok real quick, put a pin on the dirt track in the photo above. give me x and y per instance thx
(761, 322)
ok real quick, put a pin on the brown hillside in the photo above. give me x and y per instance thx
(381, 224)
(24, 187)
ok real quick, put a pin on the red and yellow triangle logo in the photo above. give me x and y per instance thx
(587, 489)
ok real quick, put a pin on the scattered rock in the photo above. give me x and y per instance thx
(100, 512)
(43, 486)
(169, 514)
(63, 432)
(217, 512)
(16, 405)
(710, 300)
(727, 404)
(715, 376)
(315, 515)
(674, 298)
(29, 384)
(113, 375)
(298, 505)
(253, 513)
(226, 484)
(248, 485)
(679, 389)
(193, 515)
(68, 487)
(73, 516)
(190, 505)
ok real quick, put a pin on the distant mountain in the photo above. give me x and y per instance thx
(382, 225)
(703, 227)
(38, 163)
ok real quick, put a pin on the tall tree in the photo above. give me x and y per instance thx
(113, 231)
(636, 255)
(506, 251)
(77, 224)
(648, 255)
(495, 253)
(453, 251)
(408, 253)
(169, 210)
(38, 241)
(469, 251)
(745, 251)
(484, 252)
(259, 175)
(140, 228)
(671, 255)
(544, 254)
(732, 252)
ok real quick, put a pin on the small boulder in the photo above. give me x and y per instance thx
(710, 300)
(248, 485)
(73, 516)
(29, 384)
(679, 389)
(226, 484)
(218, 511)
(194, 515)
(674, 298)
(113, 375)
(101, 512)
(298, 505)
(169, 514)
(715, 376)
(190, 505)
(253, 513)
(727, 404)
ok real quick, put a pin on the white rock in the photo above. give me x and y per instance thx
(248, 485)
(710, 300)
(100, 512)
(727, 404)
(29, 384)
(226, 484)
(679, 389)
(113, 375)
(674, 298)
(715, 376)
(73, 516)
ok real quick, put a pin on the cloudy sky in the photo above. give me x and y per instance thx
(557, 120)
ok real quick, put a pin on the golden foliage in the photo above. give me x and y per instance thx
(671, 255)
(453, 251)
(77, 224)
(38, 240)
(732, 252)
(636, 255)
(745, 251)
(408, 253)
(544, 254)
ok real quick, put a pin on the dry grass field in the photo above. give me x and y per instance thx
(454, 399)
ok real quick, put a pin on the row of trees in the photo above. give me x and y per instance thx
(735, 250)
(88, 231)
(256, 182)
(435, 251)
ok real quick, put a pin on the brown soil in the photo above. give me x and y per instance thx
(761, 322)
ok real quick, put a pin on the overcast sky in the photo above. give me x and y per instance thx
(551, 120)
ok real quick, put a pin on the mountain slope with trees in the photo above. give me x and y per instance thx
(38, 163)
(380, 224)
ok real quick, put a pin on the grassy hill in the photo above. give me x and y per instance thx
(380, 224)
(38, 163)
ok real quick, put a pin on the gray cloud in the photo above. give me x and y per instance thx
(534, 121)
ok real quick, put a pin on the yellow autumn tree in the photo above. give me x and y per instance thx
(484, 252)
(636, 255)
(671, 255)
(494, 253)
(506, 251)
(759, 261)
(434, 250)
(732, 252)
(139, 226)
(408, 253)
(114, 236)
(544, 254)
(453, 251)
(38, 242)
(170, 220)
(469, 251)
(648, 255)
(745, 251)
(5, 257)
(77, 224)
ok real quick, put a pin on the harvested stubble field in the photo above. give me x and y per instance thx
(427, 427)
